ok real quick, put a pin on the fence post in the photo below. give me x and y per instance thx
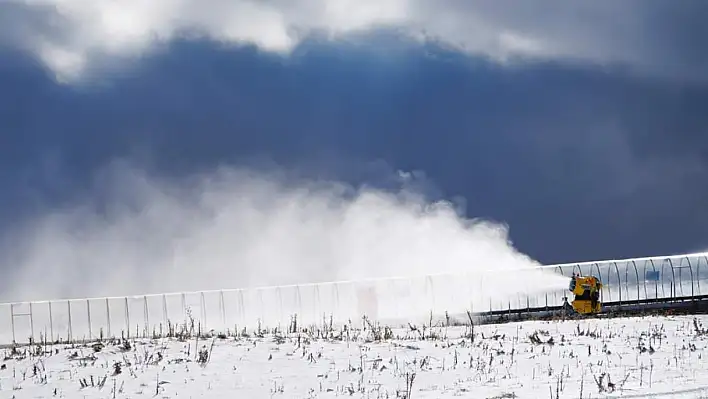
(164, 312)
(12, 321)
(222, 304)
(147, 315)
(184, 308)
(88, 313)
(337, 307)
(108, 318)
(31, 316)
(430, 285)
(528, 303)
(51, 321)
(279, 293)
(262, 306)
(203, 306)
(71, 328)
(298, 302)
(127, 317)
(242, 307)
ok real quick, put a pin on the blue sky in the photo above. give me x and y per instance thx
(580, 125)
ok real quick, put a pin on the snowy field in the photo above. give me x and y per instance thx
(660, 357)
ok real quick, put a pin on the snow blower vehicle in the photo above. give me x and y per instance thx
(586, 290)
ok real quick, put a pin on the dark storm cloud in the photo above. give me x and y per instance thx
(654, 37)
(659, 38)
(582, 164)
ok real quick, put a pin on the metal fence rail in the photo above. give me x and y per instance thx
(403, 299)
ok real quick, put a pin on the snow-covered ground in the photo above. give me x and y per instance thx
(622, 357)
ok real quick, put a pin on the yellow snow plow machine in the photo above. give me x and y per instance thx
(587, 294)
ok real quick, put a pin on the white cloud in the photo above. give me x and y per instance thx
(75, 31)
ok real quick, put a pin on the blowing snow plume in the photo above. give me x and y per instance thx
(237, 228)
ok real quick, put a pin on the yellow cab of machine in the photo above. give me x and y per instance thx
(587, 294)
